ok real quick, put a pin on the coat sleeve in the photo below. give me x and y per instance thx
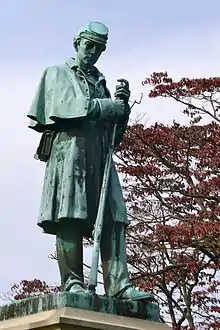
(121, 127)
(122, 124)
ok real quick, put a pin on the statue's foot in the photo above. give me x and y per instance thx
(77, 288)
(132, 294)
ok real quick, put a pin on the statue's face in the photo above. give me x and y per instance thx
(88, 52)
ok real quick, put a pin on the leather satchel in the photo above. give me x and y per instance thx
(45, 145)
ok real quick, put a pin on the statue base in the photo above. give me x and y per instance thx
(88, 311)
(143, 309)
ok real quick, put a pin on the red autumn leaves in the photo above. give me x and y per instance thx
(35, 287)
(165, 86)
(172, 187)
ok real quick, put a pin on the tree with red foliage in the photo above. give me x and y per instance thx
(28, 289)
(172, 187)
(200, 96)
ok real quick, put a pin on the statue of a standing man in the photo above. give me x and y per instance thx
(74, 111)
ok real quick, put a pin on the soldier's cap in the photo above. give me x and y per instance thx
(94, 31)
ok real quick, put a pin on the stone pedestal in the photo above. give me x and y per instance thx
(71, 311)
(77, 319)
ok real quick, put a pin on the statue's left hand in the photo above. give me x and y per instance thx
(122, 91)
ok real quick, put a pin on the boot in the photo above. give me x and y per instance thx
(114, 264)
(69, 249)
(130, 293)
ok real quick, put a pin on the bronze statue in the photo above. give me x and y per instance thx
(74, 111)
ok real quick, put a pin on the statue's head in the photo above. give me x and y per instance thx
(89, 43)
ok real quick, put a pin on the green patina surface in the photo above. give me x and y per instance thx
(74, 104)
(139, 309)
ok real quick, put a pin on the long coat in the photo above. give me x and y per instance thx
(73, 174)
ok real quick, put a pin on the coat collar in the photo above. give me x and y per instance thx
(71, 62)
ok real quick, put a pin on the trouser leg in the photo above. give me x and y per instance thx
(69, 250)
(113, 255)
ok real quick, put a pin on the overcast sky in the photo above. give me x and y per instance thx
(181, 37)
